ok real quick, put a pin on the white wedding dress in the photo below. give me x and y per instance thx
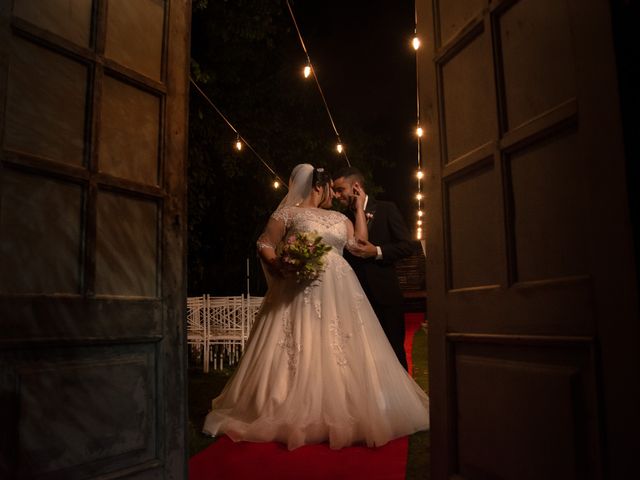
(317, 366)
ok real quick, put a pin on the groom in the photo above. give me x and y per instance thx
(373, 260)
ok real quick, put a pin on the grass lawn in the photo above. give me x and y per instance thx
(203, 387)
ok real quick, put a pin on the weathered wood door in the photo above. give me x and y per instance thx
(93, 134)
(532, 295)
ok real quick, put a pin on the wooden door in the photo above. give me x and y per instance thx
(532, 295)
(92, 213)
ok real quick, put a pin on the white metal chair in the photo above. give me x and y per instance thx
(197, 329)
(218, 327)
(225, 329)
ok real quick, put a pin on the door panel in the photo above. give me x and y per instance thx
(127, 250)
(548, 192)
(531, 288)
(474, 246)
(544, 437)
(92, 208)
(54, 210)
(32, 123)
(145, 20)
(70, 19)
(130, 132)
(456, 15)
(537, 58)
(68, 424)
(467, 96)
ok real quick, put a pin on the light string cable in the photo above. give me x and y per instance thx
(240, 137)
(315, 77)
(419, 129)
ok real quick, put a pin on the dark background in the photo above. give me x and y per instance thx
(247, 57)
(363, 56)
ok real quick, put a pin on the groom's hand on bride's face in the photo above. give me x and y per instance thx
(357, 198)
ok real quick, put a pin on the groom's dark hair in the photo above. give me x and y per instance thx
(349, 172)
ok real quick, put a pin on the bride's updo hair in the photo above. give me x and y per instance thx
(322, 178)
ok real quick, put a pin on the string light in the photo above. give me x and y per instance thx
(415, 42)
(239, 139)
(307, 71)
(315, 76)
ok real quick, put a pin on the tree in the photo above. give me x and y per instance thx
(246, 58)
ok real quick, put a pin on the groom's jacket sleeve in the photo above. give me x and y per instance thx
(399, 244)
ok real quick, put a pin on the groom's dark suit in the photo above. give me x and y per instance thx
(378, 278)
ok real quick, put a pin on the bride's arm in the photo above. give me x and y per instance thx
(268, 240)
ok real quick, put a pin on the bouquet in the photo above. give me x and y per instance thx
(303, 253)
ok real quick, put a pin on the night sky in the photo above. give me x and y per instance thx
(363, 58)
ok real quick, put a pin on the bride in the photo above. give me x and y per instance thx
(317, 366)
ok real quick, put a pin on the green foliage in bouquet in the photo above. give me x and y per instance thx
(304, 253)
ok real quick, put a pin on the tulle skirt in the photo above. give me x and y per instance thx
(319, 368)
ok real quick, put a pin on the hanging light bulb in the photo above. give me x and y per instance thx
(419, 222)
(419, 196)
(419, 234)
(420, 213)
(415, 42)
(276, 184)
(339, 148)
(307, 71)
(238, 144)
(419, 131)
(419, 174)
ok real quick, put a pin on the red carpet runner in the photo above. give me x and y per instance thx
(227, 460)
(412, 322)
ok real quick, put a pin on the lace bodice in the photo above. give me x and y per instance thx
(329, 224)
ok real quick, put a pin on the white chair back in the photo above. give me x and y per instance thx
(197, 328)
(219, 327)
